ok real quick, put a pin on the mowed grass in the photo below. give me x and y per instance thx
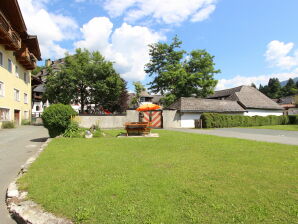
(291, 127)
(177, 178)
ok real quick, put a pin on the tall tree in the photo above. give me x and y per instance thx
(274, 88)
(138, 89)
(162, 58)
(174, 77)
(290, 88)
(85, 78)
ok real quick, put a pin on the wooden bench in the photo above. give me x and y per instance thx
(138, 128)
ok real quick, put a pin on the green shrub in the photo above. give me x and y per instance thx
(74, 131)
(56, 118)
(8, 124)
(293, 119)
(97, 133)
(214, 120)
(26, 122)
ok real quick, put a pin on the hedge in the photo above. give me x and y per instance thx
(56, 118)
(214, 120)
(293, 119)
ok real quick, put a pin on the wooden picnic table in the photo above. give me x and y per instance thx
(138, 128)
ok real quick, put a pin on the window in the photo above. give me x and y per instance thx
(26, 115)
(4, 114)
(9, 66)
(25, 98)
(37, 108)
(1, 59)
(26, 79)
(17, 71)
(16, 94)
(1, 89)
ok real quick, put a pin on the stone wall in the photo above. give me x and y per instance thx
(108, 121)
(171, 119)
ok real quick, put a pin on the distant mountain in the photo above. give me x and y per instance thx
(283, 83)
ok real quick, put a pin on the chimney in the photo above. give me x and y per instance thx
(48, 62)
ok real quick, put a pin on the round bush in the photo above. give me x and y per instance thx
(56, 118)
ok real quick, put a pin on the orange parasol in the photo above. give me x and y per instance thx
(149, 106)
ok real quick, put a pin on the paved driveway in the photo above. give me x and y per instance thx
(265, 135)
(16, 146)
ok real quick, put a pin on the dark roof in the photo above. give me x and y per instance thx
(33, 45)
(249, 97)
(192, 104)
(39, 89)
(156, 99)
(286, 100)
(12, 11)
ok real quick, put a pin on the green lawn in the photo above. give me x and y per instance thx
(177, 178)
(292, 127)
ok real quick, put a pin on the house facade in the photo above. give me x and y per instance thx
(252, 100)
(242, 100)
(19, 53)
(289, 103)
(187, 110)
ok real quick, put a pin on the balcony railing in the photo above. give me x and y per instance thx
(9, 37)
(4, 24)
(16, 40)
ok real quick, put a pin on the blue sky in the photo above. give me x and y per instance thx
(251, 40)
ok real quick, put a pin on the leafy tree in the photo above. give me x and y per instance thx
(290, 88)
(253, 85)
(138, 89)
(175, 77)
(85, 78)
(37, 70)
(274, 88)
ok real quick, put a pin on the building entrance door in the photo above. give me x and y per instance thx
(17, 117)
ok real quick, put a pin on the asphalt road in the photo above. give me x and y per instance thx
(16, 146)
(265, 135)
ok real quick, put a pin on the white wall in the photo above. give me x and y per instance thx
(188, 119)
(259, 112)
(41, 105)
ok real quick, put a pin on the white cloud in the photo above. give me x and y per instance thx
(277, 55)
(257, 80)
(166, 11)
(50, 28)
(127, 46)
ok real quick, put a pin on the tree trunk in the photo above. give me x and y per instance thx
(82, 103)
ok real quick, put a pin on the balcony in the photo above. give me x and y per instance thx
(27, 59)
(8, 36)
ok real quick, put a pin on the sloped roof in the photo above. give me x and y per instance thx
(39, 89)
(247, 96)
(156, 99)
(286, 100)
(192, 104)
(145, 94)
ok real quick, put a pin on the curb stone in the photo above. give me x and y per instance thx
(25, 211)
